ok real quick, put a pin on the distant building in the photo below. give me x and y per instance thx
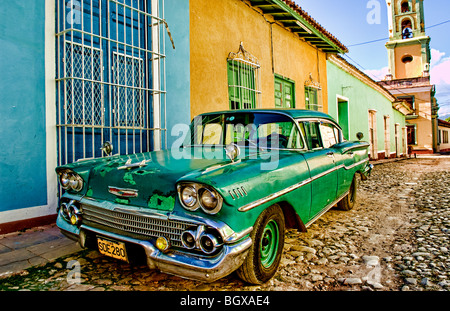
(443, 137)
(360, 104)
(409, 72)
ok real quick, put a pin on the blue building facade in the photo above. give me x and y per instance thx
(77, 73)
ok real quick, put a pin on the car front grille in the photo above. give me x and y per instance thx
(144, 227)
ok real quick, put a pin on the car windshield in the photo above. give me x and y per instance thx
(263, 130)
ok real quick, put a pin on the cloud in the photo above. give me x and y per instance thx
(377, 74)
(443, 98)
(440, 77)
(436, 57)
(440, 72)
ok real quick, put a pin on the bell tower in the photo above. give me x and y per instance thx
(408, 46)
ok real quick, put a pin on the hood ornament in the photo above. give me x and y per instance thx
(107, 148)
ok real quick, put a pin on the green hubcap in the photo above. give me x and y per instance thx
(269, 244)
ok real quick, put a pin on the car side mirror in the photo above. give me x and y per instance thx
(232, 151)
(359, 135)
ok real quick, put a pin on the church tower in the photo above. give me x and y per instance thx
(409, 73)
(408, 46)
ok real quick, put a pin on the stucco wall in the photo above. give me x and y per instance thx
(361, 99)
(423, 121)
(177, 66)
(23, 179)
(444, 146)
(217, 27)
(412, 69)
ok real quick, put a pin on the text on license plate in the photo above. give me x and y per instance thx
(112, 248)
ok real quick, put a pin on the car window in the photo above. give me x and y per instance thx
(212, 134)
(237, 133)
(330, 134)
(311, 132)
(284, 134)
(265, 130)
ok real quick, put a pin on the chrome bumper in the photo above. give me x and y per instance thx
(230, 257)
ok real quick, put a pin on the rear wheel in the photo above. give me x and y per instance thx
(348, 202)
(265, 253)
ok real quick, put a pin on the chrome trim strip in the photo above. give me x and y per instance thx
(275, 195)
(328, 207)
(243, 189)
(360, 146)
(231, 194)
(123, 192)
(129, 165)
(331, 170)
(237, 236)
(238, 193)
(356, 164)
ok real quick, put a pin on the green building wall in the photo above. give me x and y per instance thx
(362, 98)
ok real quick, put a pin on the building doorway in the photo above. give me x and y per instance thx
(387, 137)
(343, 116)
(373, 134)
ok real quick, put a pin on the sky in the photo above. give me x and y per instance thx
(359, 21)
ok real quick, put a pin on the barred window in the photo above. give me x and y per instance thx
(110, 77)
(83, 91)
(128, 94)
(313, 94)
(244, 85)
(312, 99)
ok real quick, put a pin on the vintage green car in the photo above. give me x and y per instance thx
(220, 198)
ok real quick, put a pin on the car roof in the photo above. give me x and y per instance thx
(293, 113)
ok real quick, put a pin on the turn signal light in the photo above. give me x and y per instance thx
(162, 244)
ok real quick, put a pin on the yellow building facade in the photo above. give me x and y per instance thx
(274, 43)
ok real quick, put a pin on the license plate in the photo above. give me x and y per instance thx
(113, 249)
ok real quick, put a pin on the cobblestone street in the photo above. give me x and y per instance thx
(395, 239)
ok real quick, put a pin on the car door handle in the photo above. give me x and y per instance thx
(330, 153)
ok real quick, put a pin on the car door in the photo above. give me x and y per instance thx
(344, 157)
(321, 163)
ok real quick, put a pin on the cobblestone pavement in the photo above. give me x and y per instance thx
(395, 239)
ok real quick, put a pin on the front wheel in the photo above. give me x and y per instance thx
(348, 202)
(265, 253)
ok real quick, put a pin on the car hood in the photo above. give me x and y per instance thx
(152, 176)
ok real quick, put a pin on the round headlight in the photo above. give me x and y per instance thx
(75, 182)
(208, 243)
(189, 197)
(64, 179)
(210, 201)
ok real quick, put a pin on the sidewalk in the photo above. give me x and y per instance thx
(34, 247)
